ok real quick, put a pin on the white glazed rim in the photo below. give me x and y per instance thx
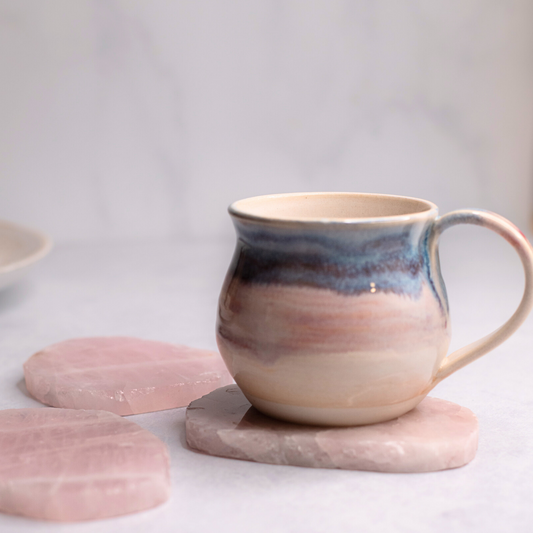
(43, 245)
(243, 209)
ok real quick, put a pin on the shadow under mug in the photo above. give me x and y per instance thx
(334, 311)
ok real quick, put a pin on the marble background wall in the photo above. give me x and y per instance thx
(125, 119)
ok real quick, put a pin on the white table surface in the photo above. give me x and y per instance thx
(169, 290)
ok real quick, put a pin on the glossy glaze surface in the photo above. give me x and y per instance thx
(333, 316)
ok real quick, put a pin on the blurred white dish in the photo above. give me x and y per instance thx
(20, 248)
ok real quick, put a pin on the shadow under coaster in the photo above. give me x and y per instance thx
(435, 435)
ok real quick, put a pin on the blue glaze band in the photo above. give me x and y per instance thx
(384, 258)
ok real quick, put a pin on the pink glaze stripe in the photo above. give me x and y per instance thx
(310, 320)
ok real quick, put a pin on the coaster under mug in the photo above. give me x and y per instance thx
(435, 435)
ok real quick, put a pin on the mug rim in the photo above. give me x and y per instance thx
(237, 209)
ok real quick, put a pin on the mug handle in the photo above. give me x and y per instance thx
(516, 238)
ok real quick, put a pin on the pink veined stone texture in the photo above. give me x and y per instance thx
(70, 465)
(123, 375)
(436, 435)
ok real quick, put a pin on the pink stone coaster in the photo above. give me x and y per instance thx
(70, 465)
(436, 435)
(123, 375)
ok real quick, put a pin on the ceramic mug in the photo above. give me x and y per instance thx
(334, 311)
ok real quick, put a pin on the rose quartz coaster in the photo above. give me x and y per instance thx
(436, 435)
(70, 465)
(123, 375)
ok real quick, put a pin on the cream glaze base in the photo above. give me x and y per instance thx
(331, 416)
(313, 356)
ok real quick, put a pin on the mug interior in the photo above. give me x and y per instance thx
(329, 207)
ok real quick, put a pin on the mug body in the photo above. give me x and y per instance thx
(331, 313)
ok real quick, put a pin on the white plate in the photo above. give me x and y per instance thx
(20, 248)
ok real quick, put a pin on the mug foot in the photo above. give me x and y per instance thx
(326, 416)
